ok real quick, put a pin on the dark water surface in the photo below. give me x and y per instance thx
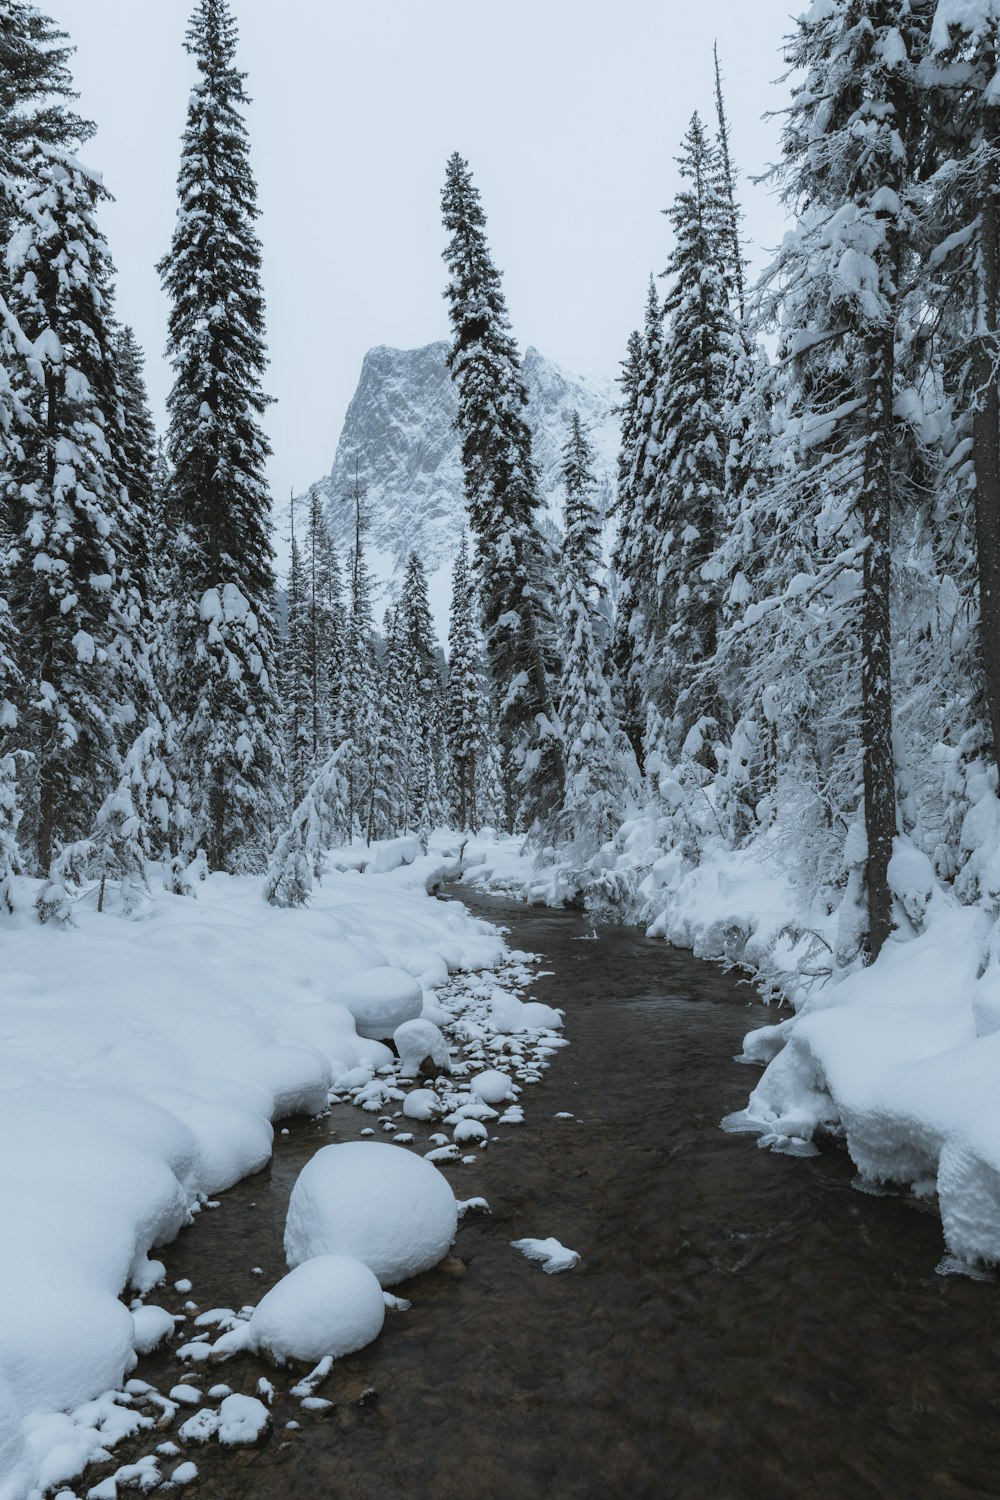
(743, 1326)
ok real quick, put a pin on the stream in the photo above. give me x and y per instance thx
(742, 1326)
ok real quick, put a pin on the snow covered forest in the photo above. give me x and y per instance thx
(754, 709)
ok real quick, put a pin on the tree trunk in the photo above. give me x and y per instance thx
(986, 429)
(876, 644)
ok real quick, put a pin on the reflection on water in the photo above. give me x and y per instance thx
(743, 1325)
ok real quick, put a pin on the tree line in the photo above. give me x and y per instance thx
(796, 646)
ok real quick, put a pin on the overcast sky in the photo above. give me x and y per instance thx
(569, 112)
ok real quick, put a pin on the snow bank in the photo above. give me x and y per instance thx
(375, 1202)
(894, 1059)
(144, 1063)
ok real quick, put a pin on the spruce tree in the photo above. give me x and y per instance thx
(965, 45)
(62, 503)
(729, 201)
(466, 722)
(421, 681)
(595, 784)
(218, 495)
(513, 561)
(324, 628)
(637, 521)
(296, 692)
(358, 713)
(690, 435)
(866, 53)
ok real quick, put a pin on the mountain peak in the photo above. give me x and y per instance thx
(400, 428)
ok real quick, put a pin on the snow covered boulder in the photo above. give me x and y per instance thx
(380, 1000)
(417, 1040)
(242, 1419)
(421, 1104)
(493, 1087)
(328, 1305)
(375, 1202)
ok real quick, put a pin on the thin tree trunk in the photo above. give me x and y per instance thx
(876, 645)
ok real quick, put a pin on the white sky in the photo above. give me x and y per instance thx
(570, 113)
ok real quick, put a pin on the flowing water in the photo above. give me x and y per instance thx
(743, 1326)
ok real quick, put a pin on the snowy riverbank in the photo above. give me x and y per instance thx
(900, 1060)
(144, 1062)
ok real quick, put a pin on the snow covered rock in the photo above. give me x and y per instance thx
(151, 1326)
(553, 1256)
(375, 1202)
(380, 1000)
(242, 1419)
(417, 1040)
(330, 1304)
(421, 1104)
(492, 1086)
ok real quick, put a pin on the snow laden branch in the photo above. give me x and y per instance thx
(319, 823)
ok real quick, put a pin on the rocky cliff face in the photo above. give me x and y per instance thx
(399, 430)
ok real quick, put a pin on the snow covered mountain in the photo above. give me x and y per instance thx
(400, 431)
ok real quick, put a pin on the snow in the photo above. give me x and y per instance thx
(421, 1104)
(144, 1063)
(373, 1201)
(492, 1086)
(150, 1326)
(380, 1000)
(330, 1304)
(242, 1419)
(417, 1040)
(553, 1256)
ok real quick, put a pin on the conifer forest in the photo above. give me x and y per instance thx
(574, 737)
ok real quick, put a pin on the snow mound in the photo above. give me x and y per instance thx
(151, 1326)
(492, 1086)
(390, 854)
(376, 1203)
(553, 1256)
(330, 1304)
(421, 1104)
(242, 1419)
(417, 1040)
(381, 1000)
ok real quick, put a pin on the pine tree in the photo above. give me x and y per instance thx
(844, 451)
(62, 502)
(421, 681)
(634, 508)
(466, 721)
(595, 785)
(296, 687)
(965, 45)
(325, 625)
(358, 714)
(391, 792)
(687, 493)
(513, 562)
(730, 207)
(218, 494)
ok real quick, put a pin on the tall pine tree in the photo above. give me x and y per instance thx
(595, 783)
(513, 561)
(218, 495)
